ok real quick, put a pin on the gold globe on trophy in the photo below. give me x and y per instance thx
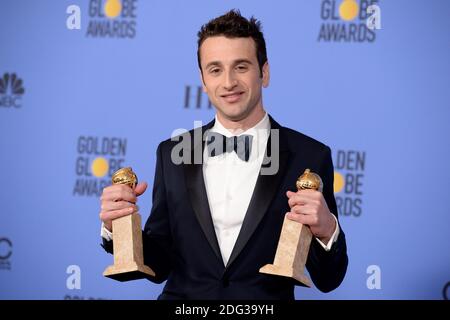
(125, 176)
(295, 239)
(309, 180)
(127, 242)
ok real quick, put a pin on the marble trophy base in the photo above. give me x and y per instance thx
(128, 251)
(292, 252)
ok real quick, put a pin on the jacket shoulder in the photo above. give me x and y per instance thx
(299, 141)
(186, 141)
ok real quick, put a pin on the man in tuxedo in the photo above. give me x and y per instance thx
(219, 201)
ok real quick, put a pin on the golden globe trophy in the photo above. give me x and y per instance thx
(127, 242)
(295, 240)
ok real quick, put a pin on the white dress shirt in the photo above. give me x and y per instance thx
(230, 182)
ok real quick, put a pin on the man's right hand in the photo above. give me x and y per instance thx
(119, 200)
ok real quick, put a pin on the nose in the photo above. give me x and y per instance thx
(230, 80)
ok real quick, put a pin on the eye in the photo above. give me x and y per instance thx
(242, 68)
(214, 71)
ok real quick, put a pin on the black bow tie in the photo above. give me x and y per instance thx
(218, 144)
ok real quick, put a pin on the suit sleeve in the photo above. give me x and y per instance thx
(157, 239)
(327, 269)
(156, 236)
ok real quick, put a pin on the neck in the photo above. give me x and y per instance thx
(243, 124)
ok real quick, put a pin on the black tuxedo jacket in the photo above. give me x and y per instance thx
(180, 243)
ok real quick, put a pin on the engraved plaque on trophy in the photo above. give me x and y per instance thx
(295, 240)
(127, 242)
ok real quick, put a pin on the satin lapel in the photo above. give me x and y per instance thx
(265, 189)
(197, 191)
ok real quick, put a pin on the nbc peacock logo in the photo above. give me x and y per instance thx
(347, 20)
(11, 91)
(112, 19)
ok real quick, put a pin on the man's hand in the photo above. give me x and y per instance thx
(119, 200)
(309, 207)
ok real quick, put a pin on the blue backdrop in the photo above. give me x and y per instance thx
(75, 104)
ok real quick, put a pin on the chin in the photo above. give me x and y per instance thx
(237, 112)
(236, 116)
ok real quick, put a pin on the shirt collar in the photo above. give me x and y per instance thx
(263, 126)
(260, 133)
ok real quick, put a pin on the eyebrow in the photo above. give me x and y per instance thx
(242, 61)
(218, 63)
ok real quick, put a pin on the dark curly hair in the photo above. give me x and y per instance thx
(233, 25)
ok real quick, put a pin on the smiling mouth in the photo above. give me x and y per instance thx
(232, 97)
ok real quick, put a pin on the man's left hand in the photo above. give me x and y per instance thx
(310, 208)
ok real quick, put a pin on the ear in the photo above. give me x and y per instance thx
(203, 82)
(265, 74)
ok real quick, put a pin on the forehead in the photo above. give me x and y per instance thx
(226, 50)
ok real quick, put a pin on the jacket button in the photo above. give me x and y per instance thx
(225, 282)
